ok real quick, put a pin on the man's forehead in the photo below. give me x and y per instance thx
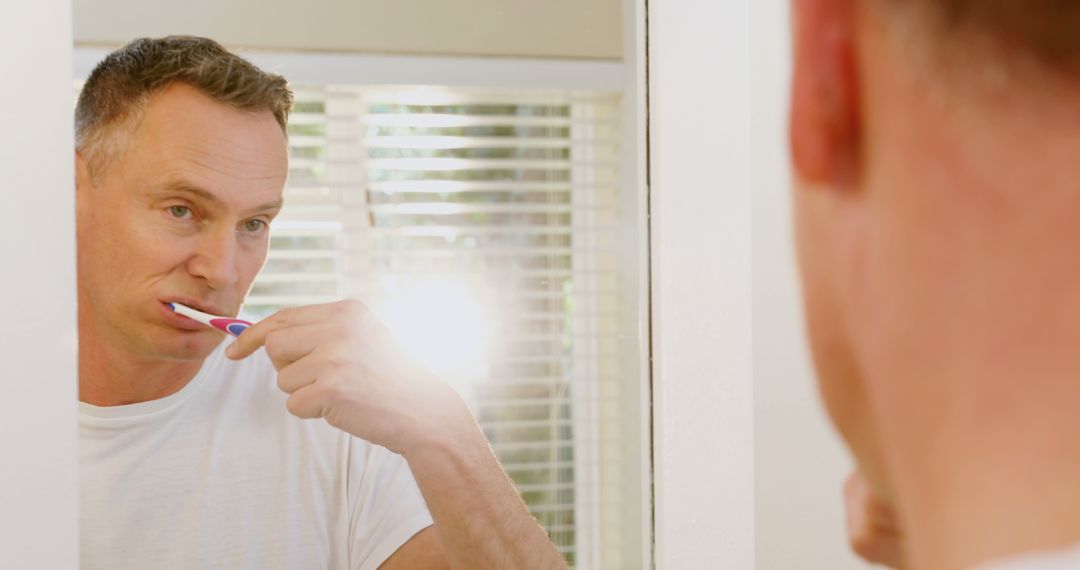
(179, 96)
(188, 142)
(185, 114)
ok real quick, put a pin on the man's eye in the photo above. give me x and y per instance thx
(180, 211)
(254, 225)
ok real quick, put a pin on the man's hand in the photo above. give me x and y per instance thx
(873, 532)
(337, 362)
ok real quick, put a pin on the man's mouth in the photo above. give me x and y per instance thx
(195, 304)
(182, 322)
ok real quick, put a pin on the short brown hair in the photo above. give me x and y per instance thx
(123, 82)
(1046, 29)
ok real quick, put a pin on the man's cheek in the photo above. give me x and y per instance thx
(837, 377)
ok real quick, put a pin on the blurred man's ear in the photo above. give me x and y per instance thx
(824, 127)
(82, 172)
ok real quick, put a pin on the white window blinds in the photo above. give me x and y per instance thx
(483, 227)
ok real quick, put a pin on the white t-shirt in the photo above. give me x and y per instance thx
(220, 475)
(1068, 559)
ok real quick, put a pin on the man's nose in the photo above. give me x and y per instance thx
(215, 259)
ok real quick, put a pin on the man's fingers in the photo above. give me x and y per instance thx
(306, 403)
(298, 374)
(255, 336)
(288, 345)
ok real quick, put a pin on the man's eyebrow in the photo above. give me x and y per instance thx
(185, 187)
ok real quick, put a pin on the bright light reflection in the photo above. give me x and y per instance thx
(441, 323)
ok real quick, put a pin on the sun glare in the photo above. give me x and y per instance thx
(441, 323)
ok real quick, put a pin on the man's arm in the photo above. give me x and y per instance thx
(338, 363)
(425, 550)
(476, 509)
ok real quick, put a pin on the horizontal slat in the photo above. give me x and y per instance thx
(304, 228)
(466, 164)
(549, 508)
(532, 487)
(562, 317)
(553, 295)
(308, 141)
(463, 231)
(554, 358)
(567, 377)
(452, 164)
(502, 292)
(442, 120)
(496, 383)
(320, 93)
(452, 96)
(519, 402)
(289, 300)
(303, 254)
(446, 209)
(560, 528)
(434, 142)
(499, 446)
(297, 209)
(506, 273)
(509, 424)
(480, 251)
(297, 277)
(457, 186)
(296, 163)
(308, 119)
(537, 466)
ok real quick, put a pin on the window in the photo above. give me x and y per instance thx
(483, 227)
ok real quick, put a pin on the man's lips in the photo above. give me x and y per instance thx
(197, 305)
(180, 321)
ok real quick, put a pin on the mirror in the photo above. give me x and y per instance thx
(469, 171)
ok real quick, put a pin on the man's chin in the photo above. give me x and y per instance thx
(189, 346)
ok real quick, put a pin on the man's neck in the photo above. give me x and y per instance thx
(112, 376)
(994, 477)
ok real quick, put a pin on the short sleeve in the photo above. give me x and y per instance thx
(385, 505)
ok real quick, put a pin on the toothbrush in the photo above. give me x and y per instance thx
(226, 324)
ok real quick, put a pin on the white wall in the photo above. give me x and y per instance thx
(38, 479)
(526, 28)
(800, 464)
(635, 198)
(699, 79)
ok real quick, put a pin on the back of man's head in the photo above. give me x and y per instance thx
(117, 90)
(935, 145)
(1045, 29)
